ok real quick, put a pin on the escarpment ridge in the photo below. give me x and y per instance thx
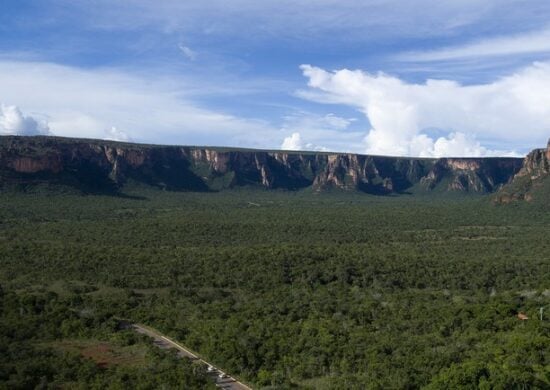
(100, 166)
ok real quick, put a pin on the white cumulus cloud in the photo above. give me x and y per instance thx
(514, 110)
(317, 132)
(292, 142)
(116, 134)
(13, 122)
(295, 142)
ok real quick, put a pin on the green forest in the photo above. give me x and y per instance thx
(286, 290)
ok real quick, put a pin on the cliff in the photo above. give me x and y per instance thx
(105, 166)
(531, 181)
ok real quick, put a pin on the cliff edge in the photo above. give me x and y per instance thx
(104, 166)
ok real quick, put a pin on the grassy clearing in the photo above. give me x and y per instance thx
(104, 354)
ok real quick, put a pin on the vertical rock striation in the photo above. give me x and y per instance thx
(103, 165)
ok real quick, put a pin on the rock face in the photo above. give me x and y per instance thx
(100, 166)
(533, 175)
(473, 174)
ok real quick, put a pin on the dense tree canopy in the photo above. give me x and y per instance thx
(282, 289)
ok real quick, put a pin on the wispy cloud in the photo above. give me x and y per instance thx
(187, 52)
(188, 72)
(112, 103)
(300, 20)
(526, 43)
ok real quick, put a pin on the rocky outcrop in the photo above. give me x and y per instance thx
(534, 174)
(94, 165)
(535, 165)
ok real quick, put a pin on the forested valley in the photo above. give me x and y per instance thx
(283, 289)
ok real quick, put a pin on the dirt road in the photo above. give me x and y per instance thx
(220, 378)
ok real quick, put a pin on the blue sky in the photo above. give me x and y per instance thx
(418, 78)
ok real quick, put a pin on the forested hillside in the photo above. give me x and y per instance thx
(284, 289)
